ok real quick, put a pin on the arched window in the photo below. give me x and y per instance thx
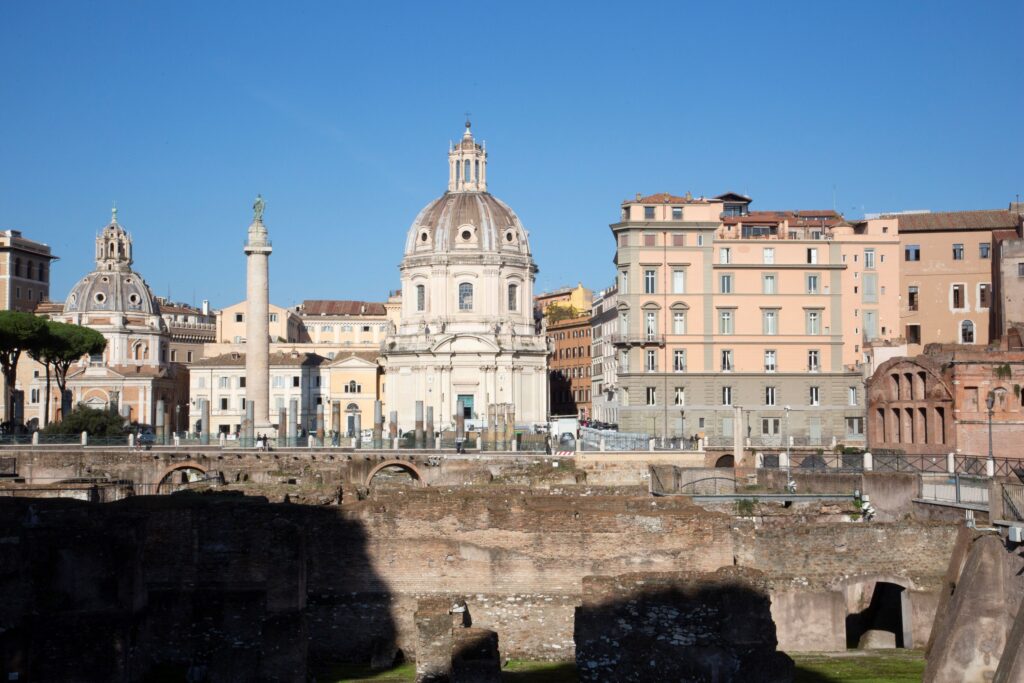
(466, 171)
(476, 170)
(465, 296)
(421, 298)
(513, 297)
(30, 270)
(17, 267)
(967, 332)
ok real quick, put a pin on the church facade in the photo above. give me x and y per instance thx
(466, 330)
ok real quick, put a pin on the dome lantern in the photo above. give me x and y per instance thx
(467, 164)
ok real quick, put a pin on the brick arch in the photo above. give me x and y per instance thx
(167, 472)
(407, 466)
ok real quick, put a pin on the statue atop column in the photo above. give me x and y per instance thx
(257, 209)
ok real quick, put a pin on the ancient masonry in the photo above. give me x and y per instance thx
(257, 326)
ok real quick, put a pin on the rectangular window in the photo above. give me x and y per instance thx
(852, 396)
(651, 325)
(273, 317)
(812, 255)
(241, 382)
(700, 240)
(224, 382)
(680, 397)
(768, 283)
(725, 322)
(770, 321)
(679, 360)
(958, 252)
(295, 381)
(677, 213)
(726, 396)
(650, 276)
(223, 404)
(421, 297)
(984, 249)
(769, 396)
(769, 360)
(624, 282)
(678, 281)
(201, 383)
(726, 360)
(277, 382)
(812, 284)
(624, 239)
(869, 259)
(813, 360)
(912, 252)
(770, 426)
(679, 239)
(652, 396)
(814, 396)
(1020, 270)
(959, 300)
(870, 295)
(651, 363)
(33, 396)
(678, 322)
(239, 318)
(174, 356)
(649, 213)
(465, 297)
(813, 322)
(913, 334)
(768, 255)
(188, 357)
(912, 302)
(984, 295)
(725, 255)
(725, 284)
(855, 426)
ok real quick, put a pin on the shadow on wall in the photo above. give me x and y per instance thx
(204, 587)
(884, 623)
(679, 627)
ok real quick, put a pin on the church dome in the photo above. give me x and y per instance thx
(467, 218)
(113, 287)
(467, 221)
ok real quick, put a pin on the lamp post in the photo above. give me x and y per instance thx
(990, 402)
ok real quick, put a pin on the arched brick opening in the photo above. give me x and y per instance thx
(167, 476)
(726, 461)
(407, 466)
(887, 610)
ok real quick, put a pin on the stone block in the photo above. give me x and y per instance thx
(874, 639)
(475, 656)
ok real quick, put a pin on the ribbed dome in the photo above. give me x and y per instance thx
(467, 222)
(111, 291)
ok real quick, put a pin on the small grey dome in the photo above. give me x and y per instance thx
(467, 221)
(111, 291)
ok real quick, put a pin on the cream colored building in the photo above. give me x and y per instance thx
(947, 275)
(466, 330)
(24, 272)
(739, 324)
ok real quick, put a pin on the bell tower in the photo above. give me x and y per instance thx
(467, 164)
(113, 246)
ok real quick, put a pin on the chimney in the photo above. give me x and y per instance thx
(638, 195)
(206, 307)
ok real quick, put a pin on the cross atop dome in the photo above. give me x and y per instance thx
(467, 164)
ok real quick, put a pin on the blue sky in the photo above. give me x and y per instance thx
(340, 114)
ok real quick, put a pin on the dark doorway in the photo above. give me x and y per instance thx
(725, 461)
(888, 611)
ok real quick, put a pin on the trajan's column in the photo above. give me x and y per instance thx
(257, 326)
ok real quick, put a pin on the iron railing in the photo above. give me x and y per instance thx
(1013, 502)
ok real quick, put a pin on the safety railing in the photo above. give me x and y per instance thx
(1013, 502)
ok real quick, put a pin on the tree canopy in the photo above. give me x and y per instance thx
(97, 423)
(19, 332)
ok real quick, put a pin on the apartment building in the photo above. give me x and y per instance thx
(603, 376)
(948, 273)
(24, 272)
(728, 314)
(569, 366)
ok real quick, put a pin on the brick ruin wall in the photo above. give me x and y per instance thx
(348, 577)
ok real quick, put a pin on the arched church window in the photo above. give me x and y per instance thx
(476, 170)
(421, 298)
(513, 297)
(465, 297)
(967, 332)
(466, 169)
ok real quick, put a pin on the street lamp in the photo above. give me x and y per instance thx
(990, 402)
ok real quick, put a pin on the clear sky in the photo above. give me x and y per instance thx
(340, 114)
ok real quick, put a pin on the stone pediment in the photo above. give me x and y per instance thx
(465, 343)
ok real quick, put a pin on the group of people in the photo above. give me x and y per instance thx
(262, 442)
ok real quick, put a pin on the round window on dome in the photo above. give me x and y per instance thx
(100, 297)
(510, 236)
(424, 236)
(467, 235)
(104, 279)
(134, 299)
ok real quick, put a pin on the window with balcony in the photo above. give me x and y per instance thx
(650, 277)
(769, 360)
(769, 396)
(651, 325)
(958, 252)
(912, 252)
(679, 360)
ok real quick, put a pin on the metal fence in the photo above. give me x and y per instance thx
(590, 440)
(1013, 502)
(956, 488)
(910, 463)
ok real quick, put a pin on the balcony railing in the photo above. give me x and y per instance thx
(636, 339)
